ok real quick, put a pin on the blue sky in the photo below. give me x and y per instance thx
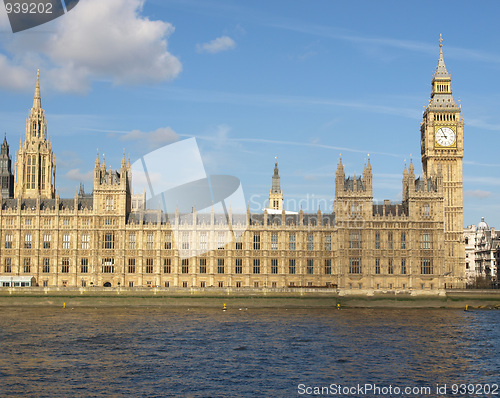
(303, 81)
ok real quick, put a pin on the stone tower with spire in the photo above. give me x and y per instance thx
(276, 194)
(6, 176)
(35, 163)
(442, 147)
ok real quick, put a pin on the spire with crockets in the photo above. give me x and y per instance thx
(276, 180)
(36, 126)
(275, 194)
(35, 162)
(441, 72)
(441, 95)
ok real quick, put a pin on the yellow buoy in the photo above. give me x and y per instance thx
(224, 308)
(64, 305)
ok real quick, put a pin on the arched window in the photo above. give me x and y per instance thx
(42, 180)
(33, 172)
(28, 173)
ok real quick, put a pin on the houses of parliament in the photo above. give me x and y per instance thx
(108, 238)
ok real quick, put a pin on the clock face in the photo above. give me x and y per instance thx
(445, 136)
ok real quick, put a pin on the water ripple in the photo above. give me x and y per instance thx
(123, 352)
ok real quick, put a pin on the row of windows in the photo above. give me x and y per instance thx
(28, 238)
(108, 266)
(444, 116)
(426, 267)
(108, 241)
(390, 266)
(239, 266)
(425, 241)
(292, 241)
(167, 267)
(47, 222)
(84, 265)
(221, 241)
(356, 210)
(109, 206)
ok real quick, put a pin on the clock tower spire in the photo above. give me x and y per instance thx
(442, 147)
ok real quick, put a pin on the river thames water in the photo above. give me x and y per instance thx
(157, 352)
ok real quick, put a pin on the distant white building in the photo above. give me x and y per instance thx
(482, 251)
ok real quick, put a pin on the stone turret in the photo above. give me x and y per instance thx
(6, 176)
(353, 195)
(276, 194)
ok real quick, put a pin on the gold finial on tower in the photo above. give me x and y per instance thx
(440, 40)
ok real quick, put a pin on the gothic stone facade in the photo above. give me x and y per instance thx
(99, 239)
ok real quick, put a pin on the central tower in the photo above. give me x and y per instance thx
(35, 163)
(442, 146)
(276, 194)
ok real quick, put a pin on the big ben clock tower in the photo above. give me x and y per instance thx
(442, 147)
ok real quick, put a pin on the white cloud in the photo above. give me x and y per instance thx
(4, 20)
(67, 159)
(486, 180)
(480, 123)
(107, 40)
(218, 149)
(474, 163)
(222, 43)
(76, 175)
(224, 97)
(477, 194)
(154, 139)
(14, 78)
